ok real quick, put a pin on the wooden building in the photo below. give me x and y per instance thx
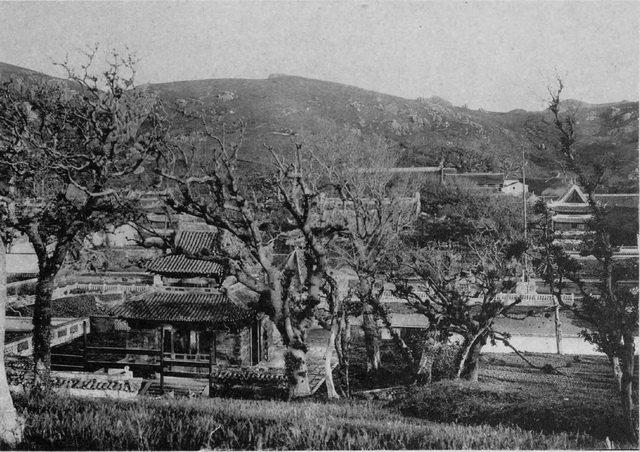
(572, 212)
(192, 264)
(190, 316)
(199, 325)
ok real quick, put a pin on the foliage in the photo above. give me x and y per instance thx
(71, 307)
(27, 288)
(446, 359)
(466, 160)
(168, 424)
(461, 255)
(455, 213)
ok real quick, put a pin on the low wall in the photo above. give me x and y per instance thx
(63, 330)
(547, 344)
(83, 384)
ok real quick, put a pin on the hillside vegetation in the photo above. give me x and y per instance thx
(422, 130)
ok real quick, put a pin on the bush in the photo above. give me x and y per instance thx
(445, 364)
(495, 404)
(26, 288)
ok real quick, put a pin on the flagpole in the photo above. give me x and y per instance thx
(524, 209)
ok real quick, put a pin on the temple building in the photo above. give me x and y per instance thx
(190, 315)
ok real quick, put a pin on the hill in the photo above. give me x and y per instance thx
(421, 130)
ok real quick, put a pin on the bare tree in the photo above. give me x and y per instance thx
(67, 151)
(456, 290)
(463, 252)
(371, 206)
(612, 313)
(258, 213)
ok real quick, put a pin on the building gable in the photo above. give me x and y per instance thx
(573, 195)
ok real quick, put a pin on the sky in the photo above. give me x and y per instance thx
(495, 55)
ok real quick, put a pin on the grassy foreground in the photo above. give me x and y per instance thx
(510, 392)
(66, 423)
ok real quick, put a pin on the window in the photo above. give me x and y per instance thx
(181, 341)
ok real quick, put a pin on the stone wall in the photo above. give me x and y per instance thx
(233, 348)
(120, 384)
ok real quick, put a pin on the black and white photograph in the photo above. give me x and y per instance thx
(319, 225)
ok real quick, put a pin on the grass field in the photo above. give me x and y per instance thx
(513, 406)
(510, 392)
(65, 423)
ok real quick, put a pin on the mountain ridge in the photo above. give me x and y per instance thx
(421, 130)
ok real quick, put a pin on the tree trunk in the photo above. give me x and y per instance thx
(427, 357)
(626, 394)
(10, 424)
(616, 370)
(328, 371)
(371, 339)
(343, 342)
(42, 331)
(470, 363)
(558, 328)
(295, 361)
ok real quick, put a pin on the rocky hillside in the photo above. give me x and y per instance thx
(422, 130)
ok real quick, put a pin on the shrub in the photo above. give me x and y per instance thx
(495, 404)
(26, 288)
(445, 364)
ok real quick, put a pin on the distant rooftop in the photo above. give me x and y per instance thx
(178, 264)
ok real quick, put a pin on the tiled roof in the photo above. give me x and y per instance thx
(409, 169)
(571, 218)
(619, 200)
(335, 209)
(399, 308)
(571, 208)
(552, 187)
(476, 178)
(194, 242)
(178, 264)
(215, 309)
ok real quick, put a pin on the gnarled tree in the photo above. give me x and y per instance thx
(67, 151)
(612, 312)
(370, 207)
(260, 213)
(453, 266)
